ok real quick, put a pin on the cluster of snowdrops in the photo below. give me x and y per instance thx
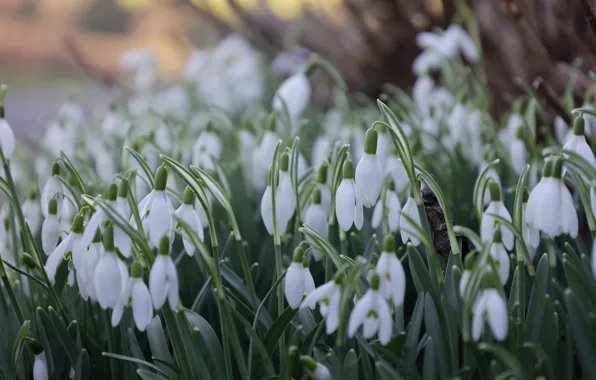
(193, 230)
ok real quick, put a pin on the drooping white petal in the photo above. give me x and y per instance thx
(360, 312)
(172, 279)
(369, 179)
(345, 199)
(159, 221)
(358, 214)
(7, 139)
(108, 281)
(498, 318)
(294, 285)
(157, 282)
(316, 218)
(190, 217)
(398, 280)
(377, 215)
(569, 214)
(332, 315)
(408, 231)
(50, 232)
(40, 367)
(267, 210)
(57, 256)
(385, 321)
(142, 308)
(52, 188)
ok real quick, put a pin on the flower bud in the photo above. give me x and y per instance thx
(375, 282)
(284, 162)
(348, 169)
(188, 196)
(579, 125)
(112, 192)
(123, 188)
(389, 244)
(161, 179)
(495, 191)
(370, 142)
(164, 245)
(316, 196)
(136, 270)
(55, 169)
(322, 173)
(77, 224)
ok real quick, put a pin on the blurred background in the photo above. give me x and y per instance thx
(51, 49)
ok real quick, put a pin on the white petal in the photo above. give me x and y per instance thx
(267, 210)
(57, 256)
(369, 179)
(160, 220)
(332, 316)
(157, 282)
(370, 327)
(386, 322)
(7, 139)
(377, 215)
(407, 229)
(318, 294)
(359, 313)
(142, 309)
(108, 281)
(358, 215)
(498, 318)
(52, 187)
(40, 367)
(478, 320)
(569, 214)
(50, 232)
(172, 279)
(294, 285)
(398, 280)
(345, 199)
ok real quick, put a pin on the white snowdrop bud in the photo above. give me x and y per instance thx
(315, 371)
(369, 174)
(298, 280)
(163, 278)
(499, 254)
(40, 365)
(137, 294)
(294, 95)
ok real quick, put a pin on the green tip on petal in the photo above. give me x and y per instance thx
(77, 224)
(298, 255)
(389, 244)
(161, 179)
(497, 236)
(108, 238)
(55, 168)
(112, 192)
(495, 191)
(370, 142)
(164, 245)
(136, 270)
(97, 236)
(284, 162)
(348, 169)
(316, 196)
(558, 168)
(548, 168)
(35, 346)
(322, 173)
(53, 207)
(188, 196)
(579, 125)
(375, 282)
(123, 188)
(33, 194)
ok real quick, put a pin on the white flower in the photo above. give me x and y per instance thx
(487, 224)
(421, 93)
(298, 281)
(285, 192)
(518, 152)
(492, 306)
(407, 229)
(99, 217)
(561, 130)
(52, 189)
(32, 212)
(396, 169)
(328, 296)
(322, 373)
(320, 150)
(248, 144)
(94, 252)
(491, 176)
(348, 207)
(163, 278)
(40, 367)
(293, 94)
(577, 143)
(369, 174)
(110, 276)
(207, 145)
(7, 139)
(391, 273)
(137, 294)
(392, 207)
(373, 313)
(550, 206)
(187, 213)
(316, 217)
(499, 254)
(156, 210)
(531, 235)
(263, 157)
(50, 229)
(70, 244)
(121, 239)
(267, 212)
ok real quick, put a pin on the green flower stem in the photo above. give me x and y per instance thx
(433, 259)
(280, 302)
(521, 294)
(246, 273)
(11, 295)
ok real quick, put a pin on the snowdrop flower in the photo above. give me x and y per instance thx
(391, 206)
(518, 152)
(267, 209)
(323, 187)
(294, 95)
(50, 229)
(577, 143)
(316, 218)
(121, 239)
(32, 211)
(100, 216)
(499, 254)
(391, 273)
(94, 251)
(369, 175)
(348, 206)
(137, 294)
(421, 93)
(72, 112)
(328, 296)
(7, 138)
(248, 144)
(187, 213)
(207, 147)
(298, 280)
(384, 145)
(426, 62)
(530, 234)
(156, 210)
(496, 207)
(590, 121)
(407, 229)
(320, 150)
(396, 169)
(52, 189)
(373, 314)
(163, 278)
(285, 191)
(315, 370)
(263, 156)
(40, 365)
(142, 61)
(490, 305)
(550, 206)
(69, 244)
(514, 123)
(110, 276)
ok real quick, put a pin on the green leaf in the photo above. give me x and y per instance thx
(583, 332)
(43, 325)
(350, 369)
(144, 166)
(133, 345)
(159, 344)
(539, 290)
(429, 369)
(148, 375)
(213, 352)
(70, 167)
(83, 367)
(64, 337)
(322, 245)
(178, 346)
(385, 371)
(278, 328)
(420, 272)
(19, 344)
(506, 357)
(433, 328)
(342, 155)
(413, 332)
(480, 189)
